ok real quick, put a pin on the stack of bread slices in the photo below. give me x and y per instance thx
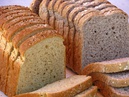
(32, 54)
(111, 77)
(94, 30)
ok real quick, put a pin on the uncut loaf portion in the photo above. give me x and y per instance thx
(33, 53)
(94, 30)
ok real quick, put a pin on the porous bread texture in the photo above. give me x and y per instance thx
(120, 79)
(73, 85)
(91, 92)
(47, 48)
(100, 32)
(120, 64)
(108, 91)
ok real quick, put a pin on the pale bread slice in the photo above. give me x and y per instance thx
(73, 85)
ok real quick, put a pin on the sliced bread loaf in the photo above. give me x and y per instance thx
(119, 79)
(109, 91)
(121, 64)
(100, 31)
(64, 88)
(38, 60)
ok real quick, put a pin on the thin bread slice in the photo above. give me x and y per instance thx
(90, 92)
(9, 12)
(22, 35)
(73, 85)
(20, 26)
(119, 79)
(121, 64)
(44, 11)
(35, 6)
(16, 20)
(108, 91)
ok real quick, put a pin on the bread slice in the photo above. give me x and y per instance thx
(91, 92)
(109, 91)
(35, 6)
(119, 79)
(73, 85)
(121, 64)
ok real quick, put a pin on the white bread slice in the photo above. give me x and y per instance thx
(108, 91)
(121, 64)
(68, 87)
(91, 92)
(119, 79)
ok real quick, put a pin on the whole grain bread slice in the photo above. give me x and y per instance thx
(73, 85)
(109, 91)
(121, 64)
(119, 79)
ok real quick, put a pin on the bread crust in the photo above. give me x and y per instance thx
(107, 67)
(109, 80)
(107, 90)
(34, 6)
(29, 30)
(21, 25)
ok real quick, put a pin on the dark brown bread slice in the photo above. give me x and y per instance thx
(108, 66)
(22, 35)
(109, 91)
(35, 6)
(43, 9)
(20, 26)
(119, 79)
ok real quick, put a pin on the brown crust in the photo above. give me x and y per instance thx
(90, 92)
(43, 11)
(109, 80)
(35, 39)
(29, 95)
(107, 68)
(16, 20)
(19, 26)
(108, 91)
(34, 6)
(99, 95)
(22, 34)
(13, 16)
(8, 13)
